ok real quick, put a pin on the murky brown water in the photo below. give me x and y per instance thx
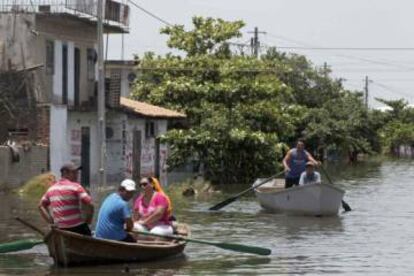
(376, 238)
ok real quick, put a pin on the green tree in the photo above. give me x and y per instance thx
(398, 125)
(234, 103)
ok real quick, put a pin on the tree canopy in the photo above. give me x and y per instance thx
(243, 111)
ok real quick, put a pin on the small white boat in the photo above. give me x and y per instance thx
(311, 199)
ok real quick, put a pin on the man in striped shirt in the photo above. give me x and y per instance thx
(61, 204)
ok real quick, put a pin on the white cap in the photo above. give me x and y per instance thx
(129, 185)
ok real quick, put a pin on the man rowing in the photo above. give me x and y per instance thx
(61, 205)
(295, 163)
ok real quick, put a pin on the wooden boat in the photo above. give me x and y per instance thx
(68, 248)
(312, 199)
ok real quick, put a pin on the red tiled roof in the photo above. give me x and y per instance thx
(149, 110)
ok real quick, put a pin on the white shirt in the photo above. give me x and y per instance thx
(304, 180)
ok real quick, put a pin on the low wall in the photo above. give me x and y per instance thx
(32, 161)
(404, 151)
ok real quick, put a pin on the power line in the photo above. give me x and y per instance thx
(150, 13)
(306, 45)
(347, 48)
(392, 89)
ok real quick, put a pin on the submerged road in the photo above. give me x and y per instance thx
(376, 238)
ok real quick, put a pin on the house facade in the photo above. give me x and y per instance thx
(53, 44)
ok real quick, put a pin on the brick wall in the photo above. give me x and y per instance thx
(43, 126)
(33, 161)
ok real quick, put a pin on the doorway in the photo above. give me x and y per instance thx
(85, 156)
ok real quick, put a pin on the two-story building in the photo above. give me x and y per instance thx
(56, 40)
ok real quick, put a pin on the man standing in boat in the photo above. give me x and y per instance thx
(60, 206)
(115, 217)
(295, 163)
(310, 176)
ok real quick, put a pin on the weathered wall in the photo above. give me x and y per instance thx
(58, 138)
(404, 151)
(73, 34)
(147, 148)
(33, 161)
(115, 143)
(16, 41)
(77, 120)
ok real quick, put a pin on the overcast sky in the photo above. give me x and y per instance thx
(302, 23)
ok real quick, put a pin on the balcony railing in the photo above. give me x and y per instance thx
(116, 12)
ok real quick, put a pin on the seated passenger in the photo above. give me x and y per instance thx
(309, 176)
(115, 213)
(152, 209)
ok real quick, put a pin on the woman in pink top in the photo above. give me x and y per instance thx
(152, 209)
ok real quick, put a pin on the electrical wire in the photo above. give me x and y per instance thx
(392, 89)
(150, 14)
(305, 45)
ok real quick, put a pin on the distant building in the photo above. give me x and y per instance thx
(134, 149)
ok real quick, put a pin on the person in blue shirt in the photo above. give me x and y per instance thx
(115, 217)
(295, 163)
(309, 176)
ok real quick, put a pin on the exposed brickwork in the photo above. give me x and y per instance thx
(43, 125)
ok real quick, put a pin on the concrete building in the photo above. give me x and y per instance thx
(54, 42)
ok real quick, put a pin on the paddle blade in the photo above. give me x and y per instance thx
(220, 205)
(18, 245)
(245, 248)
(346, 206)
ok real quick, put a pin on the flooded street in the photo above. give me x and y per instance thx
(376, 238)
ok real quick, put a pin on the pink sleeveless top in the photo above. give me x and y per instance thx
(157, 200)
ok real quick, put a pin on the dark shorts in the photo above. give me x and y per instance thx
(82, 229)
(290, 182)
(129, 238)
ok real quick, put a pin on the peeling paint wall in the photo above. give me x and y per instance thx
(115, 144)
(58, 138)
(17, 38)
(77, 120)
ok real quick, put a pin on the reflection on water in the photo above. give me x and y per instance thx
(375, 238)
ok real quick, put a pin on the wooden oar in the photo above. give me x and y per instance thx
(220, 205)
(228, 246)
(345, 205)
(31, 226)
(19, 245)
(22, 244)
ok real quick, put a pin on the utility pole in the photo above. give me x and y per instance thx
(366, 91)
(325, 69)
(254, 42)
(101, 97)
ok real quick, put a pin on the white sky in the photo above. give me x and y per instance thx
(309, 23)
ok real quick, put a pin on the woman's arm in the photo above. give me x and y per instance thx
(154, 217)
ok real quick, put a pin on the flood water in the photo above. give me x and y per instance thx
(376, 238)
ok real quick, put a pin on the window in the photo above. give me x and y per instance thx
(50, 57)
(64, 74)
(92, 58)
(150, 129)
